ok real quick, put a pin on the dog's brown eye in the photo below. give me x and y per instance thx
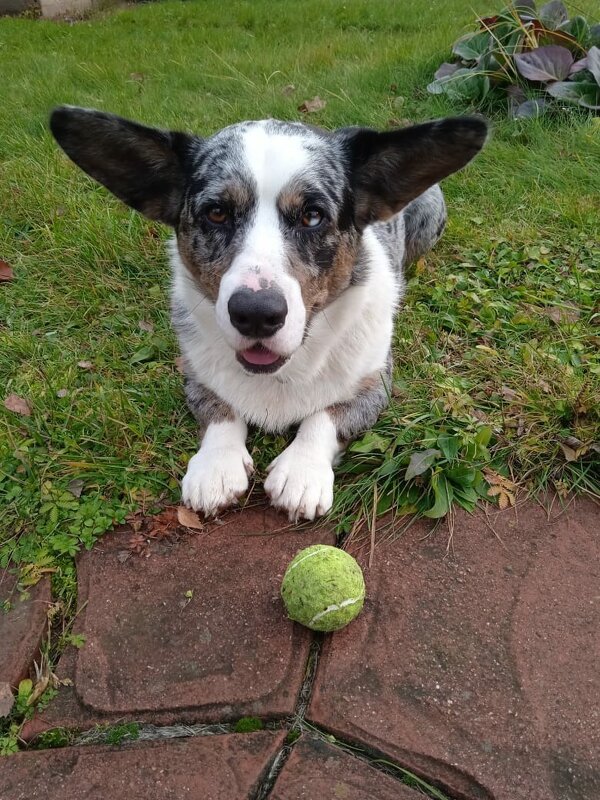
(217, 215)
(312, 218)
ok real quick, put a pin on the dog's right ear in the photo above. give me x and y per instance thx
(144, 167)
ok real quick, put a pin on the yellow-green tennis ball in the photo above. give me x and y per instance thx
(323, 588)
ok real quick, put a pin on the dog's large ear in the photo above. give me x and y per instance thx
(142, 166)
(390, 169)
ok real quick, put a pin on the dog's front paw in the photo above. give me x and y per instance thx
(215, 478)
(300, 483)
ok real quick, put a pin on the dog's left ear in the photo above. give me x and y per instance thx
(390, 169)
(143, 167)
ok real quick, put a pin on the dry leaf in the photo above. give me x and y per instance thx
(146, 326)
(508, 394)
(179, 362)
(137, 76)
(573, 448)
(85, 364)
(560, 314)
(75, 487)
(6, 700)
(18, 404)
(398, 123)
(505, 498)
(544, 386)
(288, 90)
(6, 272)
(312, 106)
(39, 689)
(500, 487)
(189, 519)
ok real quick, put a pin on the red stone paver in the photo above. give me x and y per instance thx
(201, 768)
(153, 652)
(22, 628)
(479, 670)
(318, 770)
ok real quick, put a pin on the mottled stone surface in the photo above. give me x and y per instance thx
(478, 667)
(22, 628)
(201, 768)
(318, 770)
(194, 631)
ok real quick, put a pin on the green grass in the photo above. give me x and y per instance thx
(484, 377)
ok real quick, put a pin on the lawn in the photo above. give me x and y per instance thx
(497, 350)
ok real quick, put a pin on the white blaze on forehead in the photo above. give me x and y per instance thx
(273, 159)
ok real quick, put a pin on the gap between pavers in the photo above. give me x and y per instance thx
(195, 632)
(317, 769)
(478, 670)
(199, 768)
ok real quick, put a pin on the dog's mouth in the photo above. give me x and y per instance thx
(259, 358)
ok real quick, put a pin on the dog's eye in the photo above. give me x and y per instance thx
(217, 215)
(312, 217)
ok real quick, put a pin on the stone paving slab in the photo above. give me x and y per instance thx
(196, 632)
(315, 769)
(22, 628)
(479, 670)
(201, 768)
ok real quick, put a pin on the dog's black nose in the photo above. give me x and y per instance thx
(257, 315)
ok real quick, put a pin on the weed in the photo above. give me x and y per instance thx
(248, 725)
(117, 734)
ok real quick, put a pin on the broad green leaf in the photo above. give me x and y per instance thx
(463, 86)
(146, 353)
(443, 494)
(473, 45)
(420, 463)
(370, 443)
(531, 109)
(585, 93)
(593, 63)
(579, 29)
(461, 476)
(25, 689)
(553, 14)
(449, 445)
(483, 436)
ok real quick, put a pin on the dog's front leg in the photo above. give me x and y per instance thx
(218, 473)
(300, 479)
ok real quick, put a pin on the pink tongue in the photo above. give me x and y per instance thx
(259, 355)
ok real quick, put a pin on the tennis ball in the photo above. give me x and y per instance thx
(323, 588)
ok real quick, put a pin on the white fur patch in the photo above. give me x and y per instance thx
(218, 474)
(300, 480)
(347, 341)
(273, 160)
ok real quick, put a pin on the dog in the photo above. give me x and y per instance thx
(287, 263)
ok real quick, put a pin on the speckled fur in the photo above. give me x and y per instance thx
(342, 281)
